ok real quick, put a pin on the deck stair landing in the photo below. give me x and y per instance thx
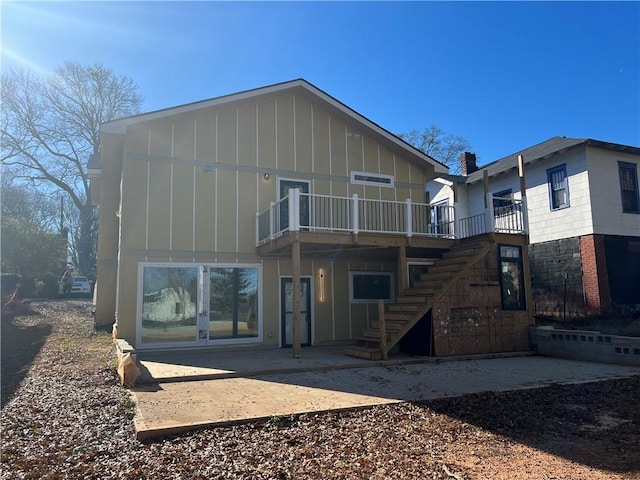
(415, 302)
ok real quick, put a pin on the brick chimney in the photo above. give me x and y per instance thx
(468, 163)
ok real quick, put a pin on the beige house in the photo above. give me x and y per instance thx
(213, 213)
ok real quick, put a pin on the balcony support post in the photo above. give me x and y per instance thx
(383, 330)
(523, 194)
(295, 261)
(403, 268)
(488, 204)
(456, 207)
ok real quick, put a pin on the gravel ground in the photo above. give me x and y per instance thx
(65, 416)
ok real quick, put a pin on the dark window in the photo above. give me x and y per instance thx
(369, 287)
(416, 270)
(629, 187)
(512, 277)
(558, 187)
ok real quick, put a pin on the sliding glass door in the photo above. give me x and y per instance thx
(233, 303)
(199, 304)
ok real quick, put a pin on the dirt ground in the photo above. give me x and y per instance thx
(65, 416)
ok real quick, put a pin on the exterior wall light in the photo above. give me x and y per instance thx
(321, 283)
(266, 176)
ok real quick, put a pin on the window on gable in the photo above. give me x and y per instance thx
(558, 187)
(629, 187)
(375, 179)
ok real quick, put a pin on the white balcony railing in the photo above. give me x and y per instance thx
(327, 213)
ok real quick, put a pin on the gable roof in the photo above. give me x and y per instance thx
(547, 149)
(299, 86)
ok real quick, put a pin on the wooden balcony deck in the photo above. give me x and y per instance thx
(324, 224)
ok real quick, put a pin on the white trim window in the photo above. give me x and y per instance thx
(369, 287)
(558, 187)
(629, 187)
(373, 179)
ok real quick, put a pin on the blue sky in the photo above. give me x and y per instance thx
(503, 75)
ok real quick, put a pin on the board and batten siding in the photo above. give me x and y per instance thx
(192, 184)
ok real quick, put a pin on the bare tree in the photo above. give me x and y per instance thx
(20, 202)
(435, 142)
(50, 126)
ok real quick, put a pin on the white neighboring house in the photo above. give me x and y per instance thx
(169, 305)
(583, 203)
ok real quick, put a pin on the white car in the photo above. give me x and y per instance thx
(81, 286)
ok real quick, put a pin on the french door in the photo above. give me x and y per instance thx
(284, 187)
(286, 311)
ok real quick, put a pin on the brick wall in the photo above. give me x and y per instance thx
(469, 319)
(595, 277)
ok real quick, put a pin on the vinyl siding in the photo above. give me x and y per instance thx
(604, 179)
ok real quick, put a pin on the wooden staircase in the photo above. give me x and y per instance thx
(415, 302)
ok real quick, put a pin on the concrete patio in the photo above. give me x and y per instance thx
(187, 391)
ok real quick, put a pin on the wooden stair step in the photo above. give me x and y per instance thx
(437, 268)
(412, 299)
(415, 291)
(404, 307)
(463, 250)
(440, 276)
(363, 352)
(404, 316)
(371, 335)
(467, 245)
(453, 261)
(430, 283)
(390, 326)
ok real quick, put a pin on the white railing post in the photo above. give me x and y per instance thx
(294, 210)
(525, 215)
(489, 219)
(257, 228)
(408, 217)
(456, 223)
(355, 213)
(272, 219)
